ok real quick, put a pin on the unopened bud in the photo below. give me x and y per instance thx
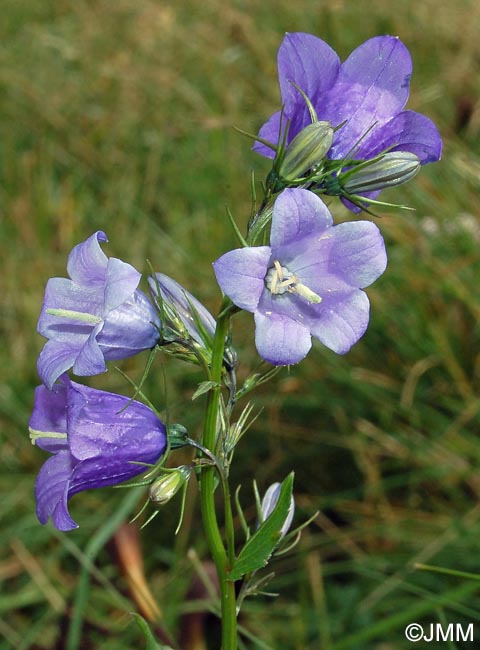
(394, 168)
(306, 151)
(181, 312)
(269, 502)
(166, 486)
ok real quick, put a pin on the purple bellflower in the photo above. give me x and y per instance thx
(98, 314)
(308, 282)
(96, 438)
(365, 96)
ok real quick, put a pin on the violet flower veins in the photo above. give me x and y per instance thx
(98, 314)
(308, 282)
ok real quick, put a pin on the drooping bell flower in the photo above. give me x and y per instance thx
(364, 96)
(98, 314)
(96, 438)
(308, 282)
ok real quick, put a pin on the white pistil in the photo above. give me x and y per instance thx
(36, 435)
(81, 316)
(307, 293)
(280, 280)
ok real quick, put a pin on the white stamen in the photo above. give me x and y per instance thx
(75, 315)
(36, 435)
(307, 293)
(279, 280)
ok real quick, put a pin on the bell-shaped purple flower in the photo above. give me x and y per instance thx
(366, 93)
(97, 315)
(308, 282)
(96, 438)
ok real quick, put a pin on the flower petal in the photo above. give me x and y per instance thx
(121, 280)
(48, 416)
(87, 263)
(280, 340)
(298, 213)
(341, 320)
(358, 253)
(51, 489)
(241, 273)
(110, 469)
(371, 87)
(113, 429)
(312, 65)
(56, 358)
(129, 329)
(407, 131)
(308, 62)
(63, 294)
(270, 132)
(90, 360)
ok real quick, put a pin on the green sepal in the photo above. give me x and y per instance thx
(258, 549)
(177, 436)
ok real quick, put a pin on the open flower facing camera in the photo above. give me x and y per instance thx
(308, 282)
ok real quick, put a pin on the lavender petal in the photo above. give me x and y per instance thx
(241, 273)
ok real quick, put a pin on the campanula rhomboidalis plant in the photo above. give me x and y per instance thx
(341, 132)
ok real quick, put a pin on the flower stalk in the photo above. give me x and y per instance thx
(222, 556)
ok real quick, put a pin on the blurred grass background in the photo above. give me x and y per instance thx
(118, 116)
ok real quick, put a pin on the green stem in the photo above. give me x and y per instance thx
(221, 557)
(229, 527)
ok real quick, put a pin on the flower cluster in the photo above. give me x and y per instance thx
(97, 438)
(342, 131)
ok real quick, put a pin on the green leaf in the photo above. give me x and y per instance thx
(147, 633)
(203, 388)
(257, 551)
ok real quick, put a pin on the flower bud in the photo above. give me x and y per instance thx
(167, 486)
(394, 168)
(269, 502)
(307, 150)
(182, 312)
